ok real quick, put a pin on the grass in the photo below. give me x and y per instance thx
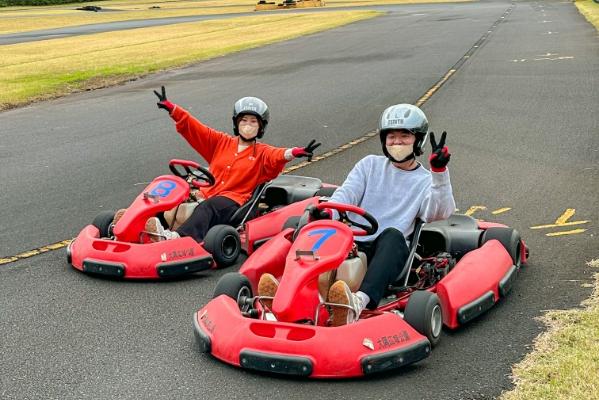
(45, 69)
(22, 19)
(565, 362)
(590, 10)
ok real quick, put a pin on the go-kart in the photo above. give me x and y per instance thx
(125, 250)
(457, 269)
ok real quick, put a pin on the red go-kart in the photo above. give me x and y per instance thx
(125, 250)
(457, 269)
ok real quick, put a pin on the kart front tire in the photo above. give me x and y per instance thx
(103, 222)
(234, 285)
(423, 312)
(509, 238)
(222, 241)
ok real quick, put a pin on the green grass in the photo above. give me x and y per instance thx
(45, 69)
(565, 361)
(22, 19)
(590, 10)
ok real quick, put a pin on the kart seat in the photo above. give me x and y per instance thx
(457, 235)
(287, 189)
(250, 209)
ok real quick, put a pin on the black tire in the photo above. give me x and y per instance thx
(234, 285)
(222, 241)
(423, 312)
(509, 238)
(103, 222)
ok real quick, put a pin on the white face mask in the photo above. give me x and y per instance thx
(248, 131)
(400, 151)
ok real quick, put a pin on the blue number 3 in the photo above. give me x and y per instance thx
(163, 189)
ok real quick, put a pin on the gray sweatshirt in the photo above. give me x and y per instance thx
(396, 197)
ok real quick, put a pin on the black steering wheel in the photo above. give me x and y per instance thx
(200, 176)
(314, 212)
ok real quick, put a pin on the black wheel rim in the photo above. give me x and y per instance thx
(229, 246)
(243, 294)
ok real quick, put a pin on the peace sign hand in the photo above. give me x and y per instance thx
(307, 151)
(164, 103)
(440, 154)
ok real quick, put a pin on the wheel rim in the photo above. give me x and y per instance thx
(229, 246)
(436, 321)
(242, 295)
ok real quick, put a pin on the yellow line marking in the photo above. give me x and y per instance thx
(501, 210)
(35, 252)
(565, 216)
(474, 209)
(562, 220)
(572, 232)
(559, 225)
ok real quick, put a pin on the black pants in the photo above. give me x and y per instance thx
(213, 211)
(386, 256)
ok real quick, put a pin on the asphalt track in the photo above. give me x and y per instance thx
(46, 34)
(521, 117)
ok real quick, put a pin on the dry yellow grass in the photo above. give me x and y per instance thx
(565, 361)
(39, 70)
(590, 10)
(22, 19)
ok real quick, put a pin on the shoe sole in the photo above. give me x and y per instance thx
(338, 294)
(118, 215)
(267, 286)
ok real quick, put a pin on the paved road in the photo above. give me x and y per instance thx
(520, 116)
(46, 34)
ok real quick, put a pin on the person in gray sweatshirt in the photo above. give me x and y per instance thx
(396, 189)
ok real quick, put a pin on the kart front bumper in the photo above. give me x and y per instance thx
(371, 345)
(169, 258)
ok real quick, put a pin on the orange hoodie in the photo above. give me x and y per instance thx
(236, 174)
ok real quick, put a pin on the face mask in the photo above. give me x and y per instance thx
(248, 131)
(400, 151)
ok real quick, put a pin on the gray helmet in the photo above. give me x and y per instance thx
(408, 117)
(251, 106)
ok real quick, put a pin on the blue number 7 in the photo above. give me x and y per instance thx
(326, 233)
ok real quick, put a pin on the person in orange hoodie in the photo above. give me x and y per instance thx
(239, 163)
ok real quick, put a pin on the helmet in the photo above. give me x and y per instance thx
(408, 117)
(251, 106)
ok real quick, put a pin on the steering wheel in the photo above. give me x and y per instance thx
(343, 209)
(314, 212)
(200, 176)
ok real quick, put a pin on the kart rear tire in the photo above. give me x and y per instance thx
(423, 312)
(233, 284)
(222, 241)
(509, 238)
(103, 222)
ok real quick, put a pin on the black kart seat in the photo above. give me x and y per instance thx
(456, 235)
(288, 189)
(249, 209)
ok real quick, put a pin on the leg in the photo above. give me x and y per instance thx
(390, 252)
(213, 211)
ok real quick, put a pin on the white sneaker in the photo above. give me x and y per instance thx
(340, 293)
(157, 232)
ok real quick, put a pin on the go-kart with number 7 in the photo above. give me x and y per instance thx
(457, 269)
